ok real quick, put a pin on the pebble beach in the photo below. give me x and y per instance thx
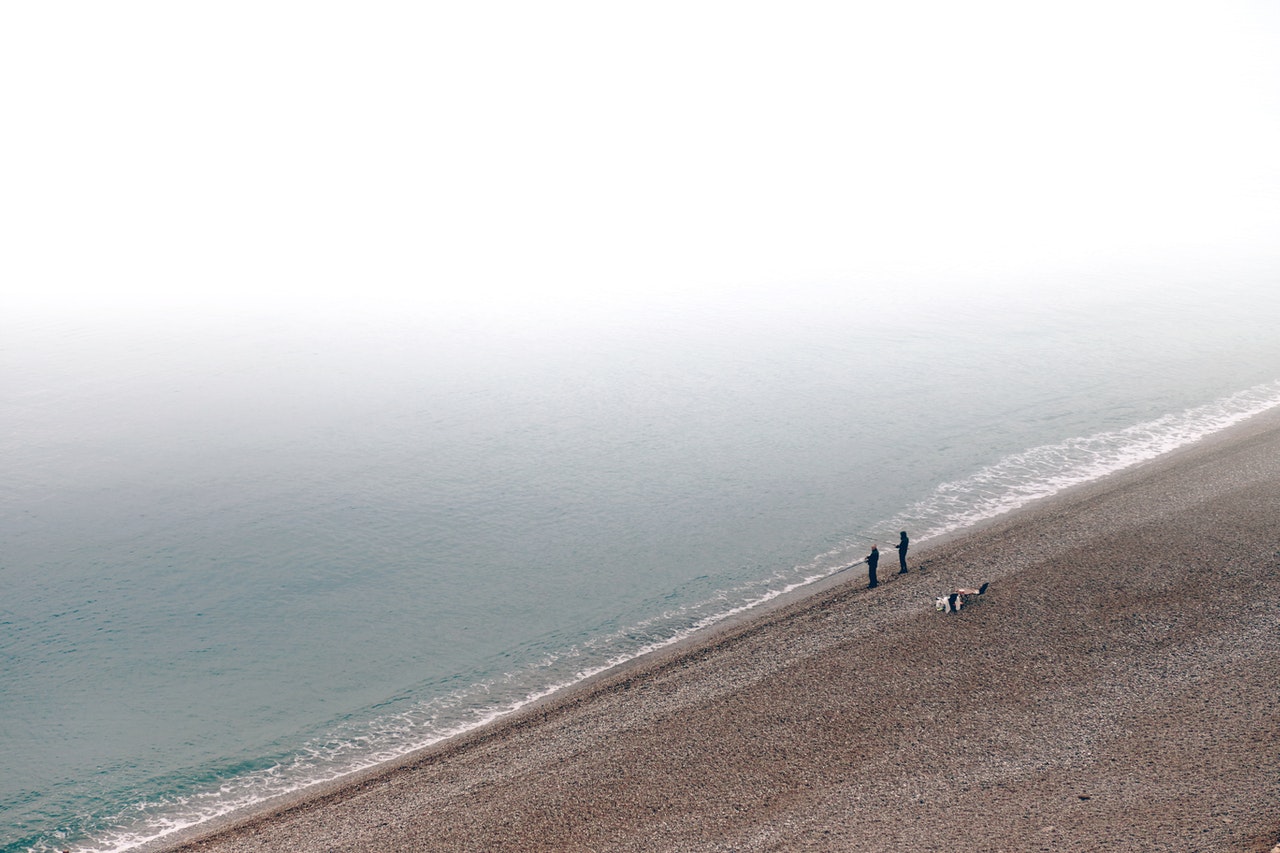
(1115, 689)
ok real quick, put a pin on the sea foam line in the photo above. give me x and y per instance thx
(1008, 484)
(1020, 478)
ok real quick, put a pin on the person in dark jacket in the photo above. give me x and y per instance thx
(902, 553)
(873, 559)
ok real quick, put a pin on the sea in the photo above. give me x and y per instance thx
(246, 551)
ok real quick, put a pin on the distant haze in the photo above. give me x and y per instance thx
(550, 156)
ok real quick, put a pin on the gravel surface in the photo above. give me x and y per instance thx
(1117, 688)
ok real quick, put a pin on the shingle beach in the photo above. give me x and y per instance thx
(1117, 688)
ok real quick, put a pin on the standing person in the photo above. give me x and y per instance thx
(902, 553)
(873, 559)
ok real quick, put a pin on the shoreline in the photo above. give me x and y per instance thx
(540, 740)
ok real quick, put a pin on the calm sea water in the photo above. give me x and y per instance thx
(244, 553)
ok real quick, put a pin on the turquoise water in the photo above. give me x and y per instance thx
(247, 552)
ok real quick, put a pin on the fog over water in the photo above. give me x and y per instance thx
(509, 158)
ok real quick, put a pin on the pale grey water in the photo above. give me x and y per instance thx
(241, 553)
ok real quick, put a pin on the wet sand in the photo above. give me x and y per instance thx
(1118, 688)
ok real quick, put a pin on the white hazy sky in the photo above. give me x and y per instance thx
(508, 153)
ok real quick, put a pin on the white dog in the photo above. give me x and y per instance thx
(953, 602)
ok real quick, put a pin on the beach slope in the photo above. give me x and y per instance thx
(1118, 688)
